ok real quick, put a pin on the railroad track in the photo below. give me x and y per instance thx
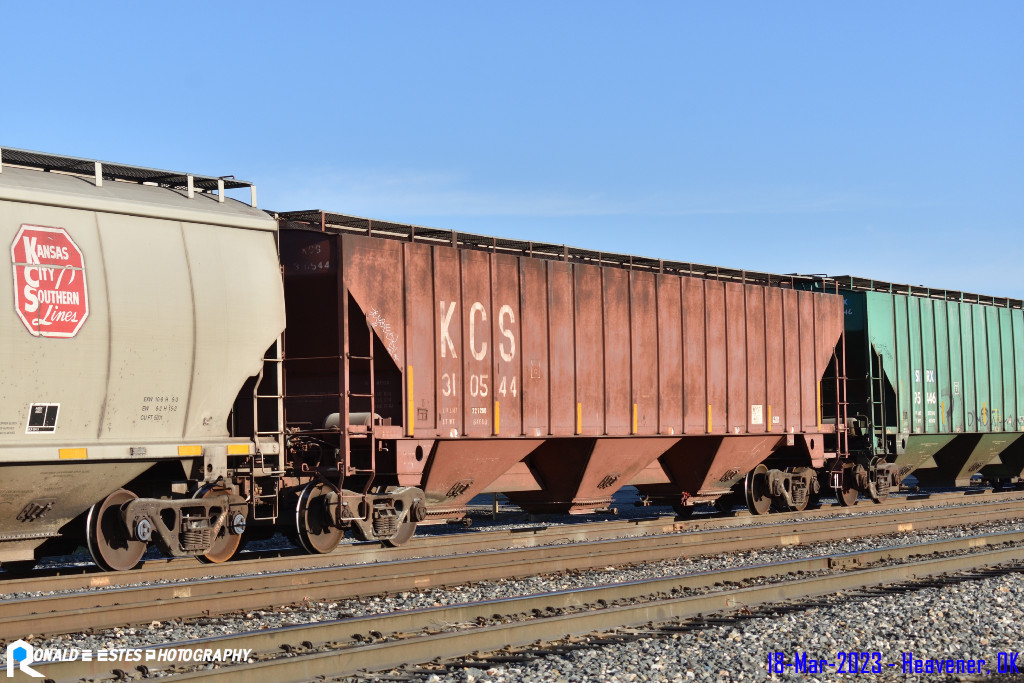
(387, 641)
(78, 577)
(112, 607)
(64, 613)
(96, 609)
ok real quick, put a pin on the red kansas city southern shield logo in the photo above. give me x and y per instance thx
(49, 282)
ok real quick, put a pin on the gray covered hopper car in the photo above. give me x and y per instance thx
(139, 302)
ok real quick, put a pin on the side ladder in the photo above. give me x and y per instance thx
(877, 380)
(842, 400)
(363, 437)
(266, 469)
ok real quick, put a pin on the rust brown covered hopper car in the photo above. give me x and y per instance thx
(461, 365)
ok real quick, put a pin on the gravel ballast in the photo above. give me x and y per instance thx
(159, 633)
(969, 621)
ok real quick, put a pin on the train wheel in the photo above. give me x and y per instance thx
(755, 489)
(847, 495)
(227, 544)
(313, 525)
(405, 531)
(409, 517)
(683, 511)
(106, 536)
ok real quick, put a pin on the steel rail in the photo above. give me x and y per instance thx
(348, 656)
(143, 604)
(472, 542)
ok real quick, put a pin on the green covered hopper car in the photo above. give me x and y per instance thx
(935, 381)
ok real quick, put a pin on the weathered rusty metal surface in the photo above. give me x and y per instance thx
(534, 347)
(669, 356)
(618, 409)
(643, 308)
(485, 347)
(775, 365)
(411, 457)
(448, 347)
(703, 468)
(580, 475)
(558, 465)
(613, 462)
(419, 315)
(588, 333)
(808, 378)
(718, 378)
(506, 331)
(519, 477)
(653, 475)
(757, 352)
(736, 357)
(478, 347)
(561, 344)
(460, 469)
(695, 374)
(791, 359)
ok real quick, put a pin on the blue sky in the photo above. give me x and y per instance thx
(879, 139)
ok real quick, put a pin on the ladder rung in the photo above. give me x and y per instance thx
(351, 357)
(360, 395)
(269, 395)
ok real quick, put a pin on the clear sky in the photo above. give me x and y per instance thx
(882, 139)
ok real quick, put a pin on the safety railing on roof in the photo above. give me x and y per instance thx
(104, 170)
(867, 285)
(342, 223)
